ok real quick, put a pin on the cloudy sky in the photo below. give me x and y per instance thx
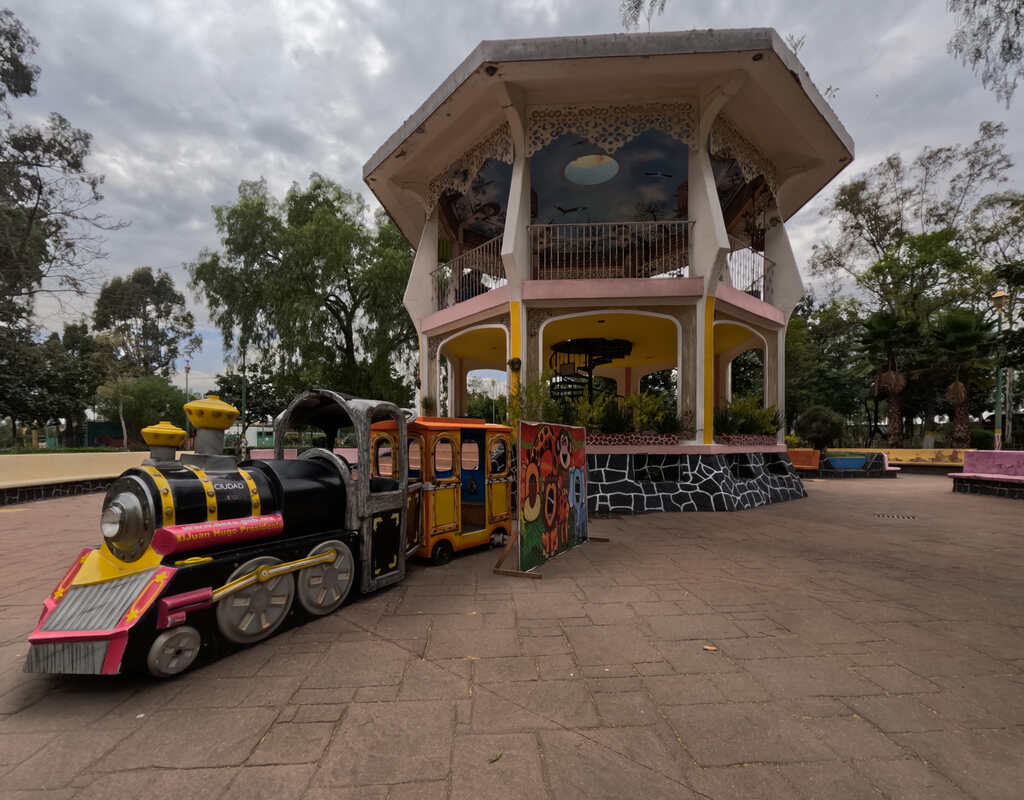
(185, 99)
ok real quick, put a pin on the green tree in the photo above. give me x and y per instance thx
(73, 365)
(630, 12)
(146, 318)
(819, 425)
(308, 281)
(886, 339)
(50, 231)
(140, 402)
(989, 38)
(963, 342)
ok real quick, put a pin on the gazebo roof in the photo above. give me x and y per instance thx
(776, 106)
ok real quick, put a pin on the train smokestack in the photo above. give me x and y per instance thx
(210, 416)
(162, 439)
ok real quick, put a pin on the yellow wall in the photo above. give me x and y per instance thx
(709, 370)
(31, 469)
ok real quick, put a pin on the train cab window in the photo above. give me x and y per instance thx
(445, 454)
(415, 459)
(382, 462)
(383, 458)
(470, 456)
(499, 457)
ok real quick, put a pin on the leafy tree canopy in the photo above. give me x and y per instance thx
(143, 401)
(147, 322)
(50, 231)
(310, 284)
(989, 38)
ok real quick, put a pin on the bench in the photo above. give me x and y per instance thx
(947, 458)
(805, 459)
(863, 464)
(994, 472)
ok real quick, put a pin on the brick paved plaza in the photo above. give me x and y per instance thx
(859, 657)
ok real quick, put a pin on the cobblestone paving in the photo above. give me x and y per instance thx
(858, 657)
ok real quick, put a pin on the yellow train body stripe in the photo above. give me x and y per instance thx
(254, 493)
(211, 495)
(166, 497)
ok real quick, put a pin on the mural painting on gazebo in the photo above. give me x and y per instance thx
(631, 187)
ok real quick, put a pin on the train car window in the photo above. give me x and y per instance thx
(470, 455)
(415, 468)
(383, 458)
(444, 458)
(499, 458)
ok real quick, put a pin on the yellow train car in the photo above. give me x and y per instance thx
(465, 471)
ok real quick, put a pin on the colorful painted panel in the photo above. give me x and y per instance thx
(552, 491)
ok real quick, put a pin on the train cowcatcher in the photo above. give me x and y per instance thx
(200, 554)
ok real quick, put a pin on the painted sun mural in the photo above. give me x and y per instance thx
(552, 491)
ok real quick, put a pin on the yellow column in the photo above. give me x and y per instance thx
(515, 344)
(709, 370)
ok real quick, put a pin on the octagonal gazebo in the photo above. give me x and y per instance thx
(625, 187)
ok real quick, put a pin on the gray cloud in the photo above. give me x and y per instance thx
(186, 99)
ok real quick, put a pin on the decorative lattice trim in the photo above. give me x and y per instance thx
(609, 127)
(461, 172)
(727, 142)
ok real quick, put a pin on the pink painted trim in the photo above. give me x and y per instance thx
(495, 298)
(37, 637)
(685, 449)
(115, 652)
(160, 579)
(617, 288)
(173, 610)
(743, 301)
(195, 535)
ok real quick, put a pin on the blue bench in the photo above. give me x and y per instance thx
(845, 462)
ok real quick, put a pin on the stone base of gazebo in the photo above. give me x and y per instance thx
(694, 478)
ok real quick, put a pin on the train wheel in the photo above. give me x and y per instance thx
(253, 613)
(323, 588)
(173, 651)
(442, 553)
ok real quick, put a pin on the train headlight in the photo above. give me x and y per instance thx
(126, 521)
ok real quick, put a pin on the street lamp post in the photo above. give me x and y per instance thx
(999, 302)
(188, 369)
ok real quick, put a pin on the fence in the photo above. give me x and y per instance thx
(588, 251)
(469, 274)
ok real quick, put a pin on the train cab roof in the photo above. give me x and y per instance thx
(444, 424)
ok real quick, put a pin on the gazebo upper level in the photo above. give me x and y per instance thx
(632, 165)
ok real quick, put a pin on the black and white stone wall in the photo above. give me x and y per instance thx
(634, 483)
(23, 494)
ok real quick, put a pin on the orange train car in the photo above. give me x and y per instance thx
(461, 482)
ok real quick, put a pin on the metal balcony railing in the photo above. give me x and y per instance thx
(469, 274)
(750, 270)
(589, 251)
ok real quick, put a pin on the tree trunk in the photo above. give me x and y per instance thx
(124, 428)
(895, 421)
(961, 426)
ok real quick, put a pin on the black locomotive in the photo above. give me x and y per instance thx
(199, 552)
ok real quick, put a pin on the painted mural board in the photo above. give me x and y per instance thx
(552, 490)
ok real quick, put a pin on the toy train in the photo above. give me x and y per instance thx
(198, 551)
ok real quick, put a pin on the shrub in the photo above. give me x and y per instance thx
(795, 442)
(820, 426)
(745, 415)
(429, 405)
(647, 411)
(982, 439)
(590, 413)
(614, 419)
